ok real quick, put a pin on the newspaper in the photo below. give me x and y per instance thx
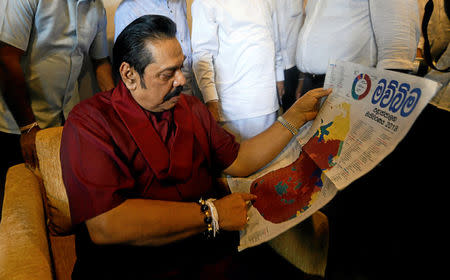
(368, 113)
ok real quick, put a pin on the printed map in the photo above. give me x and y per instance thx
(286, 193)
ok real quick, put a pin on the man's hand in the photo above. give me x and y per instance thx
(232, 210)
(280, 89)
(28, 145)
(103, 73)
(306, 107)
(16, 96)
(214, 109)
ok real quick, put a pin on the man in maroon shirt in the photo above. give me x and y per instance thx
(137, 159)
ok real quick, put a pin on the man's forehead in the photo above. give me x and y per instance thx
(165, 47)
(166, 52)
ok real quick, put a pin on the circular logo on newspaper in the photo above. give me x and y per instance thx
(361, 86)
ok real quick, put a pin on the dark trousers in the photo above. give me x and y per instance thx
(308, 82)
(297, 80)
(11, 155)
(291, 76)
(191, 258)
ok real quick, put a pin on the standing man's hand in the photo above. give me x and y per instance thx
(103, 73)
(16, 96)
(280, 89)
(28, 146)
(214, 109)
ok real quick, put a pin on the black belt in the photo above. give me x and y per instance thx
(313, 77)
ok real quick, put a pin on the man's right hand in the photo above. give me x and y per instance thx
(16, 96)
(214, 109)
(28, 146)
(232, 210)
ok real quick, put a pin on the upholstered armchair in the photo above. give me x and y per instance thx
(36, 219)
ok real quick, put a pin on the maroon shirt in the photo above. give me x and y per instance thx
(113, 150)
(110, 151)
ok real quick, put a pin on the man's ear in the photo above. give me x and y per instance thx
(129, 76)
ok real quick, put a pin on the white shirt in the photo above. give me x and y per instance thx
(377, 33)
(56, 36)
(234, 54)
(129, 10)
(290, 19)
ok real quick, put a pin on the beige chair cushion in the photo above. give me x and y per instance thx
(24, 252)
(48, 142)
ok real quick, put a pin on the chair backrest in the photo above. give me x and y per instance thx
(48, 142)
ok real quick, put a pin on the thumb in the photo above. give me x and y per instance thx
(319, 93)
(248, 196)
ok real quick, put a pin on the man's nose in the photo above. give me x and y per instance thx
(180, 80)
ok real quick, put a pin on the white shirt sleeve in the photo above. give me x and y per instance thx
(205, 45)
(396, 28)
(123, 16)
(279, 65)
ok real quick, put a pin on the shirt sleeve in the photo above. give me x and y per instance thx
(99, 47)
(17, 22)
(205, 45)
(124, 15)
(397, 32)
(94, 175)
(279, 65)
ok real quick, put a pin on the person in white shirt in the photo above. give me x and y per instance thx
(237, 63)
(129, 10)
(290, 17)
(374, 33)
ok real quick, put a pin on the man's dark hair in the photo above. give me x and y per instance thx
(130, 45)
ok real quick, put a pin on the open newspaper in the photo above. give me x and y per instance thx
(368, 113)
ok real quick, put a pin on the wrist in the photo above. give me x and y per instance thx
(298, 119)
(214, 101)
(289, 126)
(211, 217)
(27, 128)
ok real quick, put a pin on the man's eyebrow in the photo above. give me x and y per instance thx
(173, 68)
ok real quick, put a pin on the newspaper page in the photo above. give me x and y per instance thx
(368, 113)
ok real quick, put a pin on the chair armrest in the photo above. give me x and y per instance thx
(24, 250)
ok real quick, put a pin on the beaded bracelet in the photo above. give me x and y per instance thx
(209, 233)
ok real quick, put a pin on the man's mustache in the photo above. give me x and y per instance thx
(173, 93)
